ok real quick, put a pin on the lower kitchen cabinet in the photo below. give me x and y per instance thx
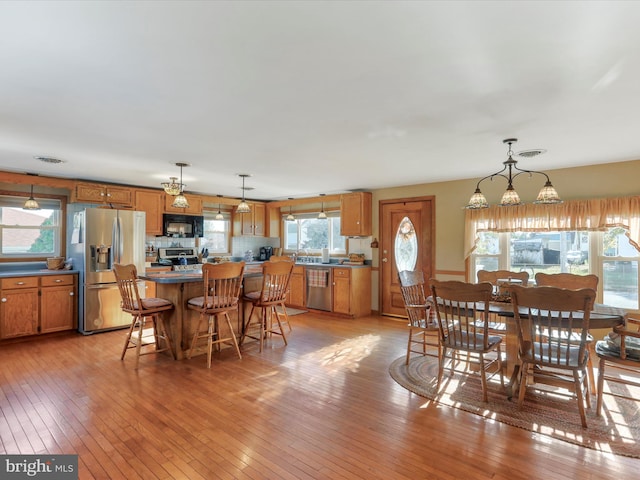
(57, 303)
(18, 307)
(37, 304)
(352, 291)
(296, 295)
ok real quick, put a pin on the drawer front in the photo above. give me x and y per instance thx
(19, 282)
(298, 270)
(341, 272)
(53, 280)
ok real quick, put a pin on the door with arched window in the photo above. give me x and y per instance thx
(406, 231)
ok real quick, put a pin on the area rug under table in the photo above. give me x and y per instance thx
(548, 413)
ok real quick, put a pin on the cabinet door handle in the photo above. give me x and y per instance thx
(4, 300)
(58, 280)
(71, 294)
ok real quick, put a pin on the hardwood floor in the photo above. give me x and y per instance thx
(324, 407)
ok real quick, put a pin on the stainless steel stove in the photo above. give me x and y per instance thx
(182, 259)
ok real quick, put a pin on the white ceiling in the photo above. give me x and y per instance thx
(314, 97)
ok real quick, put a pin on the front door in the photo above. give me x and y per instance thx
(407, 229)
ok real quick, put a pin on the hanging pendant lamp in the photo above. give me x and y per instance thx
(181, 201)
(290, 217)
(322, 215)
(31, 203)
(219, 215)
(243, 206)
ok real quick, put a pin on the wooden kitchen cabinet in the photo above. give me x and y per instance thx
(18, 307)
(150, 202)
(252, 223)
(352, 291)
(57, 303)
(97, 193)
(297, 290)
(195, 205)
(355, 214)
(38, 304)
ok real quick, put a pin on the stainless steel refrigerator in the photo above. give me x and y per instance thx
(99, 238)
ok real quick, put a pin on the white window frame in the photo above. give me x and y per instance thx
(332, 250)
(7, 201)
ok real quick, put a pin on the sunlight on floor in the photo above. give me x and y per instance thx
(345, 355)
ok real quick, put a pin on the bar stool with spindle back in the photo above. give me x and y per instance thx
(275, 283)
(222, 285)
(142, 308)
(283, 258)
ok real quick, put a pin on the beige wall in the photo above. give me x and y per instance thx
(597, 181)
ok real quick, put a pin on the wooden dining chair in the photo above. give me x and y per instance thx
(222, 283)
(275, 282)
(423, 326)
(573, 282)
(620, 349)
(556, 358)
(141, 309)
(457, 304)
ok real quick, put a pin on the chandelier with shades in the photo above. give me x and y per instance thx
(180, 201)
(547, 195)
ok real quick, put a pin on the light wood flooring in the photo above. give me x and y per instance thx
(324, 407)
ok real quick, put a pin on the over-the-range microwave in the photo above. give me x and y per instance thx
(182, 226)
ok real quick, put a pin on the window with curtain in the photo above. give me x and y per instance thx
(30, 233)
(584, 236)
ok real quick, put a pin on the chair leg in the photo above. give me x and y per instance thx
(592, 380)
(523, 383)
(164, 333)
(210, 333)
(578, 386)
(600, 387)
(277, 315)
(195, 336)
(409, 346)
(233, 335)
(139, 346)
(483, 374)
(128, 339)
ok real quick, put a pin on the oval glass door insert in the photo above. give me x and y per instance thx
(406, 246)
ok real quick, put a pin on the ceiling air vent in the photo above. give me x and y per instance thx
(531, 153)
(49, 160)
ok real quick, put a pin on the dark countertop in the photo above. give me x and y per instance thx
(30, 269)
(181, 277)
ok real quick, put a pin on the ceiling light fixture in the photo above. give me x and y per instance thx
(322, 215)
(180, 201)
(548, 194)
(173, 187)
(243, 207)
(219, 215)
(31, 203)
(290, 217)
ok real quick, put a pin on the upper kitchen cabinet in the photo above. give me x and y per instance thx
(96, 193)
(355, 214)
(150, 202)
(250, 223)
(195, 205)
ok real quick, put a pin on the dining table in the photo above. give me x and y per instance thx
(602, 317)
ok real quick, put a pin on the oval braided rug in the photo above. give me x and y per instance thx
(549, 413)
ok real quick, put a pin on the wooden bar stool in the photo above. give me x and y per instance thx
(275, 283)
(141, 309)
(222, 284)
(283, 258)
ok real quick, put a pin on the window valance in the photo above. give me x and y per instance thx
(594, 214)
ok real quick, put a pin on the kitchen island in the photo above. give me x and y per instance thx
(178, 287)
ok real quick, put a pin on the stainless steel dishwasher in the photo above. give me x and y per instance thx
(319, 288)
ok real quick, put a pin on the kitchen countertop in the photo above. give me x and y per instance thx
(30, 269)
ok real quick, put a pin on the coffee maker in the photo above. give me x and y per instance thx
(265, 253)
